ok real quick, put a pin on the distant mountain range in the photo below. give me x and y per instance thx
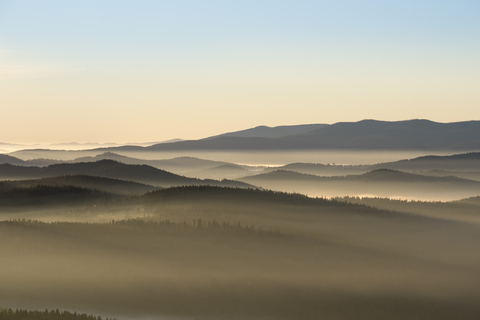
(362, 135)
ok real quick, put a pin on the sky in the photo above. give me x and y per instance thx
(137, 71)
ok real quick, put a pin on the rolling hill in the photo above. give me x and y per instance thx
(83, 181)
(4, 158)
(460, 165)
(382, 182)
(176, 165)
(457, 162)
(40, 196)
(109, 169)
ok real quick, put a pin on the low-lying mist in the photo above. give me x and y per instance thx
(236, 253)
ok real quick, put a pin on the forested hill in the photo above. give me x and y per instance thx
(240, 197)
(83, 181)
(109, 169)
(51, 196)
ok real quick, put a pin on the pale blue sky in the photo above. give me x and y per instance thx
(86, 70)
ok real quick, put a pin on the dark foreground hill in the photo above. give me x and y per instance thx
(222, 253)
(109, 169)
(382, 182)
(40, 196)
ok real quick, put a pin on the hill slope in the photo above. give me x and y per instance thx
(382, 182)
(108, 169)
(51, 196)
(176, 165)
(83, 181)
(4, 158)
(460, 165)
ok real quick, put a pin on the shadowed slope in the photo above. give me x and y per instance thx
(108, 169)
(83, 181)
(39, 196)
(4, 158)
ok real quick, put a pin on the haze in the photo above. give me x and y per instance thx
(103, 71)
(232, 160)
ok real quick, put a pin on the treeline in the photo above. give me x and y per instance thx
(148, 224)
(356, 199)
(198, 224)
(22, 314)
(83, 181)
(51, 195)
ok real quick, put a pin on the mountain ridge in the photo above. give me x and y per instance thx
(366, 134)
(415, 134)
